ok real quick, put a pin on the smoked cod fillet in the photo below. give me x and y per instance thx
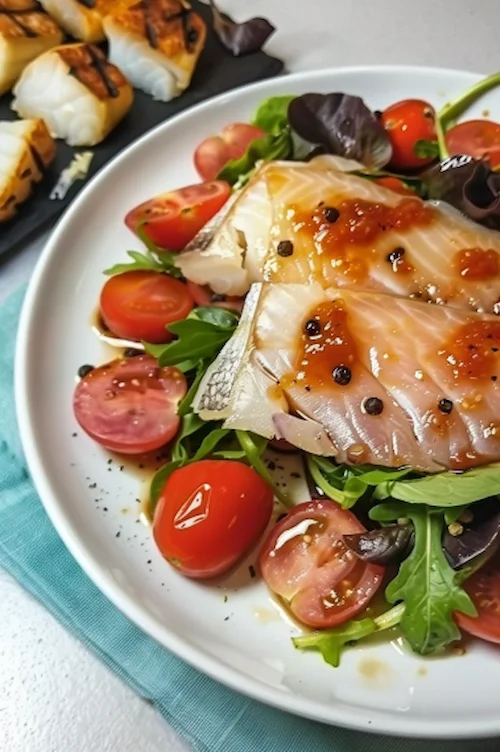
(318, 223)
(364, 377)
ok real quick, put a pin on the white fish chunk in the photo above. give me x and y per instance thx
(25, 32)
(318, 223)
(79, 94)
(26, 150)
(81, 18)
(156, 44)
(366, 377)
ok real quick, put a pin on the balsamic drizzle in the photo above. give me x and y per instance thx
(87, 3)
(100, 65)
(13, 16)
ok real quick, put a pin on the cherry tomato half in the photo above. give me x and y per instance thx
(204, 296)
(130, 405)
(478, 138)
(172, 219)
(396, 185)
(138, 305)
(484, 590)
(232, 142)
(406, 123)
(305, 561)
(209, 515)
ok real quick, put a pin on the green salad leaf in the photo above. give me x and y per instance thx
(445, 489)
(331, 642)
(346, 484)
(424, 149)
(147, 261)
(200, 337)
(272, 114)
(152, 259)
(237, 172)
(425, 583)
(253, 446)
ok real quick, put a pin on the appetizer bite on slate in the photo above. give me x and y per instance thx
(25, 32)
(81, 18)
(80, 95)
(156, 45)
(26, 150)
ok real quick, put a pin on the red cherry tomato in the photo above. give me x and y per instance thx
(484, 590)
(172, 219)
(209, 515)
(406, 123)
(203, 296)
(130, 405)
(478, 138)
(396, 185)
(232, 142)
(305, 561)
(139, 305)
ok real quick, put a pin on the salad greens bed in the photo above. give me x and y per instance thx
(412, 512)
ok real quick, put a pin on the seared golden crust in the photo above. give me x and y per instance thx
(89, 65)
(35, 155)
(24, 18)
(169, 26)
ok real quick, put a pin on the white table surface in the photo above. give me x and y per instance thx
(54, 695)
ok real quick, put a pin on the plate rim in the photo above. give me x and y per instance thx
(374, 721)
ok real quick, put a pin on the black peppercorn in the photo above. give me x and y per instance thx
(395, 255)
(331, 214)
(446, 406)
(342, 375)
(373, 406)
(285, 248)
(312, 327)
(84, 370)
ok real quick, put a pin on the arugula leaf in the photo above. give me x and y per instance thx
(330, 643)
(425, 583)
(146, 261)
(345, 484)
(184, 405)
(269, 147)
(159, 479)
(445, 489)
(272, 114)
(199, 337)
(424, 148)
(210, 442)
(183, 452)
(254, 446)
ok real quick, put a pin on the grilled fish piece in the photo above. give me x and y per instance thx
(317, 222)
(26, 150)
(365, 377)
(25, 32)
(80, 95)
(156, 43)
(81, 18)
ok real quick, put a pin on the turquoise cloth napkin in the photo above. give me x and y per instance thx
(210, 717)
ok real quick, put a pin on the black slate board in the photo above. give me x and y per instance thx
(217, 71)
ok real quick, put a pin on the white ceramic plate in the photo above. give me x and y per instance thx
(240, 639)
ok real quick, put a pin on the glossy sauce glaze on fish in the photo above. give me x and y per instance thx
(365, 377)
(316, 222)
